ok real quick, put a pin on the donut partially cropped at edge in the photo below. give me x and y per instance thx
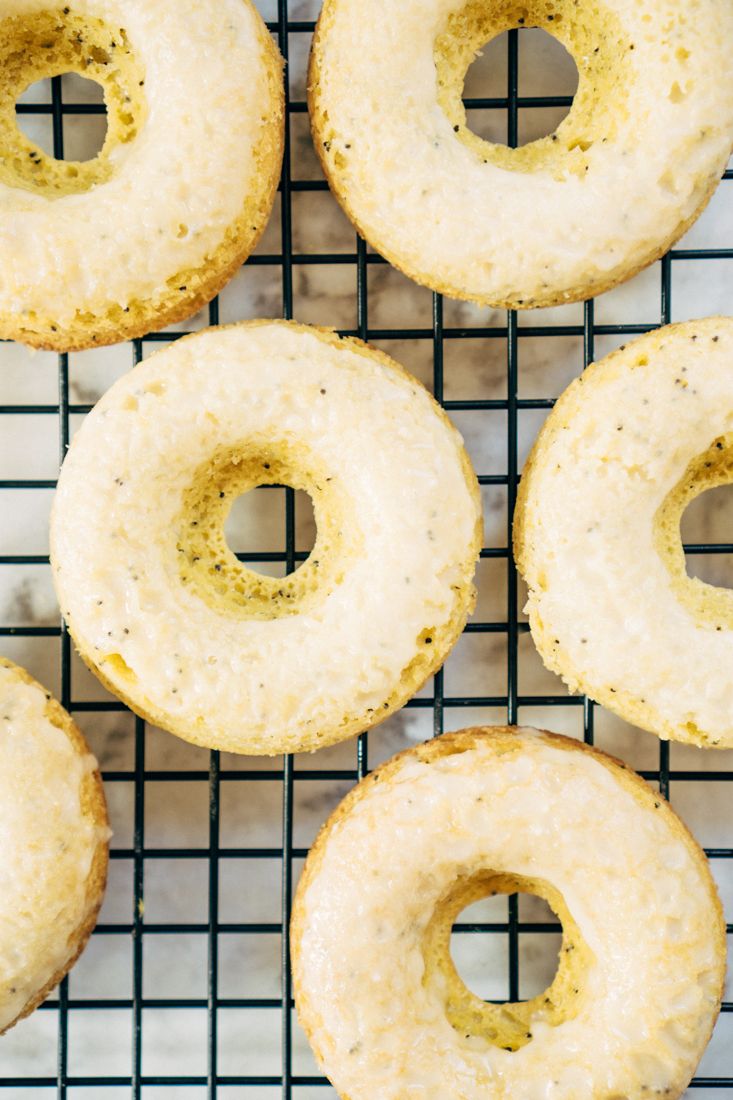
(149, 230)
(562, 218)
(498, 810)
(597, 537)
(53, 862)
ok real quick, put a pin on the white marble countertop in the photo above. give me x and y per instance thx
(176, 813)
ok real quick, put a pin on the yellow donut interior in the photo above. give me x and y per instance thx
(591, 33)
(507, 1025)
(212, 570)
(46, 44)
(710, 605)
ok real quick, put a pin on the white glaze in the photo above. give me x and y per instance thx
(46, 844)
(420, 194)
(606, 595)
(191, 165)
(374, 429)
(642, 902)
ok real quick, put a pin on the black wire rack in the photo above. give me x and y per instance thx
(438, 707)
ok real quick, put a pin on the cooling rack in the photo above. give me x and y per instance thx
(184, 991)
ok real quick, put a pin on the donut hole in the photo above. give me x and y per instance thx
(97, 63)
(546, 71)
(481, 956)
(694, 511)
(708, 519)
(81, 143)
(469, 930)
(258, 523)
(236, 511)
(578, 54)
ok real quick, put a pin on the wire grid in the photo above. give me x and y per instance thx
(287, 1083)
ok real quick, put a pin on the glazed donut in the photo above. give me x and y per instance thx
(559, 219)
(171, 621)
(597, 533)
(53, 822)
(489, 811)
(153, 227)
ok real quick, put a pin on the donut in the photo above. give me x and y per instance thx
(496, 811)
(167, 616)
(53, 821)
(561, 218)
(597, 533)
(152, 228)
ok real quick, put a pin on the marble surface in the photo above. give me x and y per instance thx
(176, 813)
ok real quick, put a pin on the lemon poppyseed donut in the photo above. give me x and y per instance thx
(559, 219)
(150, 229)
(165, 614)
(494, 811)
(53, 822)
(597, 533)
